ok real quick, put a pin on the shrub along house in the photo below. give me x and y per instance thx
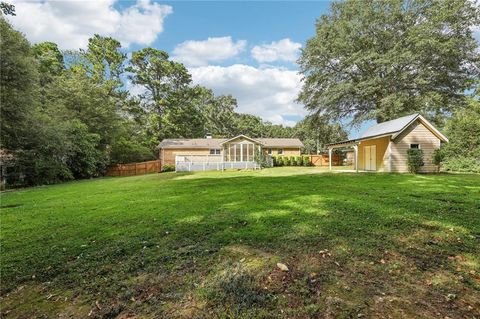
(383, 147)
(223, 153)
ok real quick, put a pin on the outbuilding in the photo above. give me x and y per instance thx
(383, 147)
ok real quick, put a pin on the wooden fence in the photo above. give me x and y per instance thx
(133, 169)
(322, 160)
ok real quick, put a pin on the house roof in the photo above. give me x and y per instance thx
(393, 128)
(217, 142)
(389, 127)
(281, 142)
(191, 143)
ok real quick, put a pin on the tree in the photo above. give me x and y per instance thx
(462, 152)
(218, 112)
(383, 59)
(315, 132)
(7, 8)
(104, 60)
(49, 58)
(18, 87)
(159, 76)
(165, 83)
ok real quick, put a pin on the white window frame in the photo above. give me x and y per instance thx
(215, 151)
(280, 151)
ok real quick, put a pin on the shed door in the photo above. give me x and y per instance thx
(370, 157)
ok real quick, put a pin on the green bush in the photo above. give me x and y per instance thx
(415, 160)
(438, 157)
(300, 160)
(286, 161)
(278, 161)
(290, 160)
(262, 159)
(306, 161)
(274, 161)
(168, 168)
(462, 164)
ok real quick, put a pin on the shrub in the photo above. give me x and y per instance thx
(462, 164)
(168, 168)
(290, 160)
(286, 161)
(415, 160)
(274, 161)
(438, 157)
(262, 159)
(300, 160)
(306, 161)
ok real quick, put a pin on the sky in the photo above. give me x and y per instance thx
(247, 49)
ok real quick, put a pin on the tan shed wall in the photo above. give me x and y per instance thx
(417, 133)
(381, 153)
(167, 156)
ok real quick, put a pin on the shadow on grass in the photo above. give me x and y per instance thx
(384, 234)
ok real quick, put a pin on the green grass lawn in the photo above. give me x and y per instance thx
(207, 245)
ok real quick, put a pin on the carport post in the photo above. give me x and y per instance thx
(355, 148)
(330, 158)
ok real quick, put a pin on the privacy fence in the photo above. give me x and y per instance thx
(133, 169)
(322, 160)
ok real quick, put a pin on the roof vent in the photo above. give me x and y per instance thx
(209, 135)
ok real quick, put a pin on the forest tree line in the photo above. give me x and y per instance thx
(69, 115)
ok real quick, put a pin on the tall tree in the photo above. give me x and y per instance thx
(49, 58)
(382, 59)
(105, 60)
(165, 83)
(218, 112)
(315, 132)
(18, 86)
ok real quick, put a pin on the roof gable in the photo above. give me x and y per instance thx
(427, 124)
(241, 136)
(393, 128)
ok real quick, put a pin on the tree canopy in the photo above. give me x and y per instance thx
(70, 114)
(384, 59)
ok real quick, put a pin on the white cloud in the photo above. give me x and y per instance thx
(269, 93)
(71, 23)
(283, 50)
(200, 53)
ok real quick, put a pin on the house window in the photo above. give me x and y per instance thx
(269, 151)
(280, 151)
(214, 151)
(414, 146)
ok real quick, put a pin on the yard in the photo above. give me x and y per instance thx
(203, 245)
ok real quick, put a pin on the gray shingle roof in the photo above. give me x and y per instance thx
(281, 142)
(215, 142)
(191, 143)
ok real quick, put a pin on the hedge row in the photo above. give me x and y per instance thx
(291, 161)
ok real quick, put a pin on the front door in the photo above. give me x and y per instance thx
(370, 157)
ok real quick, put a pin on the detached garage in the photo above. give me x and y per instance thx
(383, 147)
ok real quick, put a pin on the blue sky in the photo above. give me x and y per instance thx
(247, 49)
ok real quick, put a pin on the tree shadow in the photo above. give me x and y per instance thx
(414, 224)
